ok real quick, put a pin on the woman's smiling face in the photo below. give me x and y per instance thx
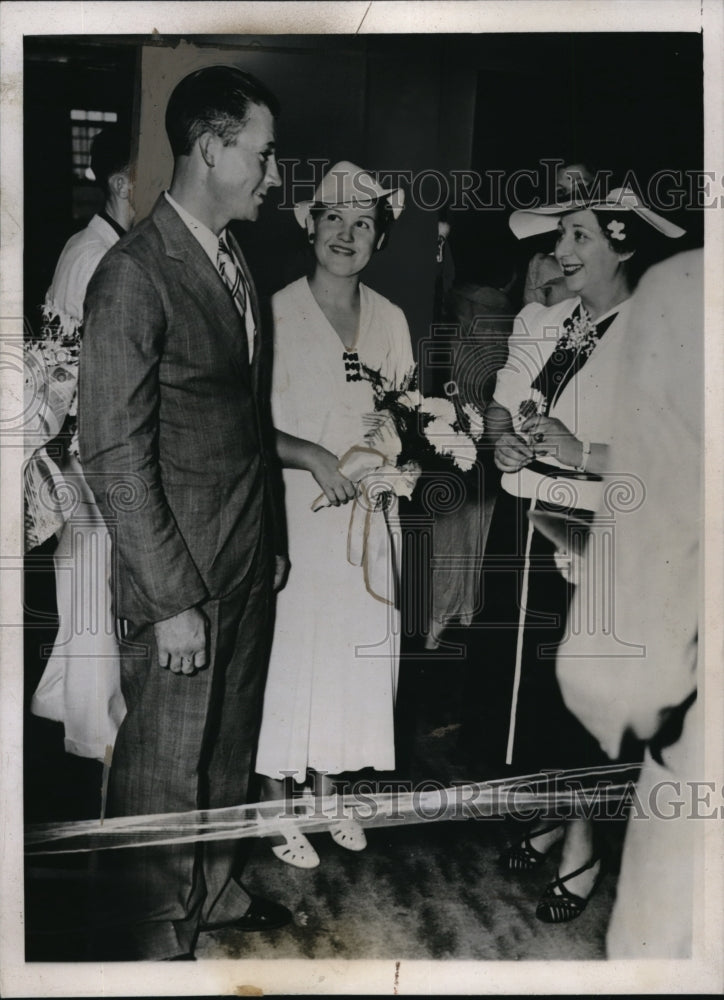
(345, 238)
(589, 264)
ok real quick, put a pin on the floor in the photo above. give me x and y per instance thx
(426, 891)
(429, 892)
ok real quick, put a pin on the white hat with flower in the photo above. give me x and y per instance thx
(532, 221)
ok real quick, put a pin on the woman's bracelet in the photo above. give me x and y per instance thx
(585, 455)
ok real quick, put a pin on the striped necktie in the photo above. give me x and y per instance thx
(235, 282)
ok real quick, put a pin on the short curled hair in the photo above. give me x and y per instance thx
(626, 232)
(384, 218)
(214, 99)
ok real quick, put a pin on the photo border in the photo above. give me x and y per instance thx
(702, 973)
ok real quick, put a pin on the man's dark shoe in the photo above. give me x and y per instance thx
(262, 915)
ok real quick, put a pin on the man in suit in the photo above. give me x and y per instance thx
(175, 439)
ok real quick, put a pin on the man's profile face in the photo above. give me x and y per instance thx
(246, 168)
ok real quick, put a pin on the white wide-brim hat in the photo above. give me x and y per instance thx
(346, 184)
(532, 221)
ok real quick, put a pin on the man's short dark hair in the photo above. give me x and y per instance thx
(110, 153)
(215, 99)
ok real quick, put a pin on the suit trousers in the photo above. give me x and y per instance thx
(187, 743)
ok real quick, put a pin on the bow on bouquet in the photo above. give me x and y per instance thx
(409, 432)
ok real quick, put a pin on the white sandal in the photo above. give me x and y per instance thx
(297, 851)
(349, 834)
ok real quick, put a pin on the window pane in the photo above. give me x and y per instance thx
(86, 125)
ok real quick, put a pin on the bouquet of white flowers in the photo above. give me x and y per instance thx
(410, 433)
(423, 429)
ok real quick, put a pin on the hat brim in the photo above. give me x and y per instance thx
(395, 197)
(544, 219)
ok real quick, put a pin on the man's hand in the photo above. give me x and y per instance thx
(181, 641)
(281, 568)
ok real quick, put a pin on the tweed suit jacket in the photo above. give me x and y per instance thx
(174, 422)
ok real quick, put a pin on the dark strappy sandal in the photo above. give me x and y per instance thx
(558, 905)
(522, 856)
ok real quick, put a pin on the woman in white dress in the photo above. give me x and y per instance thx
(330, 691)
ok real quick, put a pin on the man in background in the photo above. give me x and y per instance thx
(544, 279)
(80, 686)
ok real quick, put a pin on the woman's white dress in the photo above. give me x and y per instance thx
(331, 686)
(80, 686)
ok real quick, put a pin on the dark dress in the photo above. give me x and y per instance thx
(525, 727)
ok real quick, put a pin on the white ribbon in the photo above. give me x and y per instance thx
(371, 527)
(563, 793)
